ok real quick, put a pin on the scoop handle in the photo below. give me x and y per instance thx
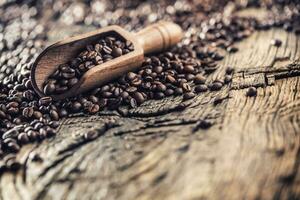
(159, 36)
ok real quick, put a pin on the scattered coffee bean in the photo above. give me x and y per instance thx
(199, 79)
(216, 86)
(188, 95)
(276, 42)
(227, 79)
(201, 88)
(91, 135)
(252, 91)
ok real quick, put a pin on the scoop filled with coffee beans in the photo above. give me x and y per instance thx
(78, 64)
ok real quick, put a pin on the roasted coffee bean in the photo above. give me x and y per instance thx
(199, 79)
(216, 86)
(139, 98)
(252, 91)
(54, 124)
(186, 87)
(37, 114)
(93, 108)
(28, 112)
(232, 49)
(188, 95)
(90, 135)
(63, 113)
(42, 134)
(23, 138)
(49, 88)
(189, 68)
(116, 52)
(28, 95)
(171, 79)
(76, 106)
(159, 95)
(201, 88)
(32, 135)
(72, 82)
(178, 91)
(133, 102)
(2, 115)
(45, 101)
(54, 115)
(169, 92)
(50, 132)
(276, 42)
(13, 146)
(161, 87)
(12, 133)
(229, 70)
(227, 79)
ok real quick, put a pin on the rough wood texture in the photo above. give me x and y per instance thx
(159, 150)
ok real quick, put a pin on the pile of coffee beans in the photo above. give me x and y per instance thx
(182, 71)
(67, 75)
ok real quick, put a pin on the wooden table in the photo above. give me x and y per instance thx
(160, 151)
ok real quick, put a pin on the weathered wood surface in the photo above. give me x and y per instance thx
(158, 151)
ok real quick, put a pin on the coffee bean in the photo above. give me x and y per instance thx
(171, 79)
(227, 79)
(251, 92)
(189, 68)
(50, 132)
(37, 114)
(201, 88)
(169, 92)
(130, 76)
(32, 135)
(63, 113)
(76, 106)
(91, 135)
(13, 147)
(229, 70)
(93, 108)
(72, 82)
(232, 49)
(12, 133)
(54, 115)
(133, 102)
(161, 87)
(276, 42)
(139, 98)
(2, 115)
(49, 88)
(116, 52)
(45, 101)
(28, 112)
(159, 95)
(178, 91)
(216, 86)
(186, 87)
(23, 138)
(199, 79)
(188, 95)
(54, 124)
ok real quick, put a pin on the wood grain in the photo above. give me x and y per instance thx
(158, 151)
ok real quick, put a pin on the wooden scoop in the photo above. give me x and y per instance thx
(155, 38)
